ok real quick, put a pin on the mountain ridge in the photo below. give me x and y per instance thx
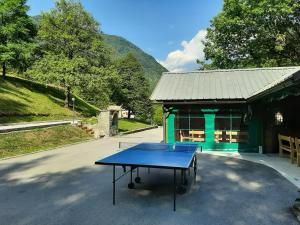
(121, 46)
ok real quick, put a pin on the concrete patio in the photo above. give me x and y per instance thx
(281, 164)
(63, 186)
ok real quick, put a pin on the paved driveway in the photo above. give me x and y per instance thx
(63, 186)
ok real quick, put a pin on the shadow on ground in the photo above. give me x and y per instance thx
(227, 191)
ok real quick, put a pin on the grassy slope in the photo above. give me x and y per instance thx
(130, 124)
(23, 100)
(17, 143)
(121, 46)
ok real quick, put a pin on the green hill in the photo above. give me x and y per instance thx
(24, 100)
(121, 46)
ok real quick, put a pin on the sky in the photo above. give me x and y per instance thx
(171, 31)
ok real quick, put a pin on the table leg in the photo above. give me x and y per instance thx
(137, 179)
(131, 184)
(114, 185)
(195, 166)
(174, 191)
(185, 181)
(181, 177)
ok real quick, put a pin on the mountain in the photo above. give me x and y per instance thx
(120, 47)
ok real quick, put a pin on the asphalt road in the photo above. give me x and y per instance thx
(63, 186)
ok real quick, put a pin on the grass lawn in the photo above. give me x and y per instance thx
(22, 100)
(131, 124)
(16, 143)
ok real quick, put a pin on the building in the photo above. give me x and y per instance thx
(231, 110)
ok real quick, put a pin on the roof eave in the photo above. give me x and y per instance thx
(295, 78)
(202, 102)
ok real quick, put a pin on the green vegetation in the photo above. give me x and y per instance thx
(131, 124)
(91, 120)
(24, 101)
(254, 34)
(16, 35)
(133, 90)
(158, 115)
(121, 47)
(17, 143)
(66, 48)
(73, 55)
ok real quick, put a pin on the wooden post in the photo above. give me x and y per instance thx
(164, 125)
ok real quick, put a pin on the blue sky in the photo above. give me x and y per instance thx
(169, 30)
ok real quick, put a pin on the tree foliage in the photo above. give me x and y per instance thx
(158, 115)
(16, 35)
(254, 33)
(132, 92)
(72, 53)
(69, 51)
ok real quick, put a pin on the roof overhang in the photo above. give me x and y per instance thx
(223, 86)
(203, 102)
(290, 82)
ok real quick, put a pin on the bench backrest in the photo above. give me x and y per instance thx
(285, 141)
(197, 132)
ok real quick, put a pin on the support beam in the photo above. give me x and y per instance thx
(164, 126)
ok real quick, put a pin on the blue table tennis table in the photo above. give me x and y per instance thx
(177, 157)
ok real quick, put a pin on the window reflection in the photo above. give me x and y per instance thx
(189, 127)
(230, 128)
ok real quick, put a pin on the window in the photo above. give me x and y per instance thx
(229, 127)
(278, 118)
(189, 126)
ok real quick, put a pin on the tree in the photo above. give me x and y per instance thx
(58, 69)
(16, 34)
(71, 48)
(133, 90)
(256, 33)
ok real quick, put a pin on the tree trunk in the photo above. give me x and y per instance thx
(3, 69)
(129, 114)
(67, 94)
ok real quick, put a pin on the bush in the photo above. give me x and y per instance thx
(158, 115)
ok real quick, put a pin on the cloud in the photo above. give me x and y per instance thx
(185, 58)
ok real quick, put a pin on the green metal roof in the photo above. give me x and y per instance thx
(239, 84)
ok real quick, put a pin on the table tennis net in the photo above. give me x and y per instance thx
(157, 147)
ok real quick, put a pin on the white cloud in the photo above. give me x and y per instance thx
(185, 58)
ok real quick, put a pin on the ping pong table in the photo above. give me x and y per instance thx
(176, 157)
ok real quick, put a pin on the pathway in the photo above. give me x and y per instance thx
(4, 128)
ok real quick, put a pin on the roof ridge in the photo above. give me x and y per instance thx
(234, 70)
